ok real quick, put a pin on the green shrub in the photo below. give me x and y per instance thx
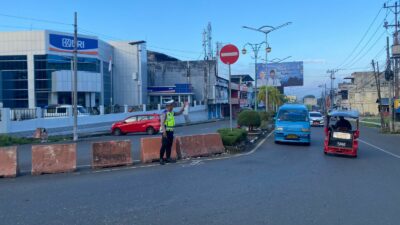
(249, 118)
(230, 138)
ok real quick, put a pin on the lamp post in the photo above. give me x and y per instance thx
(266, 30)
(324, 96)
(256, 48)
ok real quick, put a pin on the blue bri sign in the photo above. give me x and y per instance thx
(65, 43)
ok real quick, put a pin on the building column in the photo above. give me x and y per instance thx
(31, 81)
(53, 98)
(101, 102)
(87, 99)
(92, 99)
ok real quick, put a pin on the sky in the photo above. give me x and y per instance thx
(323, 34)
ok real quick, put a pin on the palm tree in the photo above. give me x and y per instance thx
(275, 98)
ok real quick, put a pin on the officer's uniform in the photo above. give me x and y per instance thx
(167, 141)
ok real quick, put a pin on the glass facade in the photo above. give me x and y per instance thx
(46, 64)
(14, 81)
(107, 84)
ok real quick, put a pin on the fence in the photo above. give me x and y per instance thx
(88, 122)
(22, 114)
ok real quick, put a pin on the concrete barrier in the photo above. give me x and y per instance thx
(56, 158)
(200, 145)
(111, 153)
(8, 161)
(150, 149)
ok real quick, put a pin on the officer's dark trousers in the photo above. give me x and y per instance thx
(166, 144)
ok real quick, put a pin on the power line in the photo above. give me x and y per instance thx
(362, 39)
(373, 45)
(365, 45)
(35, 19)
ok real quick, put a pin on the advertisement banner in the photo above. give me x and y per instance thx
(280, 74)
(65, 43)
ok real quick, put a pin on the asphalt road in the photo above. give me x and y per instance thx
(276, 184)
(84, 145)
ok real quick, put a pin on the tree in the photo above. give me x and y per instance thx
(275, 98)
(249, 118)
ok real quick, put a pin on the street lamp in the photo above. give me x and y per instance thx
(323, 96)
(266, 30)
(256, 48)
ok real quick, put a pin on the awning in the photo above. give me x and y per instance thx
(385, 101)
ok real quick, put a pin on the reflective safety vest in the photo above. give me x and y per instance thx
(169, 121)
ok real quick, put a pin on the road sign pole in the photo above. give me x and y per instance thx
(230, 98)
(229, 54)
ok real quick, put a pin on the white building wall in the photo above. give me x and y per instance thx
(129, 73)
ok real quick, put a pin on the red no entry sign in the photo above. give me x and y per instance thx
(229, 54)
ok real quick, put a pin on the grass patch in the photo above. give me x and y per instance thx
(7, 140)
(370, 125)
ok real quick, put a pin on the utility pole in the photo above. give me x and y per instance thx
(75, 80)
(395, 44)
(332, 92)
(389, 78)
(378, 88)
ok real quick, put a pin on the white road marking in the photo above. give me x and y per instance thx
(193, 163)
(380, 149)
(227, 54)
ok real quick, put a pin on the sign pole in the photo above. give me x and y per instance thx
(229, 54)
(230, 98)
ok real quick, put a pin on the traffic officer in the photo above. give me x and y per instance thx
(167, 128)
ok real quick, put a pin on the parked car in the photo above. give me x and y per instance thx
(316, 119)
(139, 123)
(62, 111)
(292, 124)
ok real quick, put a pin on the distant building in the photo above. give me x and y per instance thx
(310, 100)
(187, 81)
(361, 93)
(242, 92)
(291, 98)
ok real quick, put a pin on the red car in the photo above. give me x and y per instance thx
(139, 123)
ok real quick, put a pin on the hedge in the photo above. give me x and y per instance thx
(230, 138)
(249, 118)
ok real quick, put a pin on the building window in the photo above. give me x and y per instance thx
(14, 81)
(46, 64)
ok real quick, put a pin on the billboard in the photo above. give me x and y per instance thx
(280, 74)
(65, 43)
